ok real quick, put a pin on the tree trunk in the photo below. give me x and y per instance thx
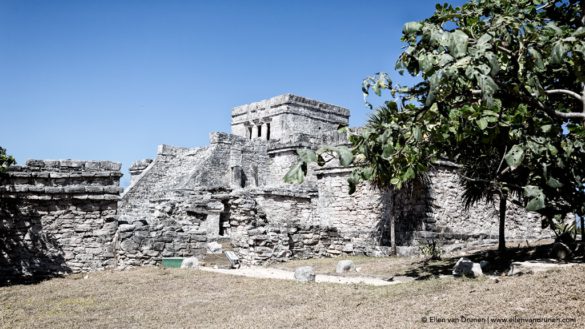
(583, 236)
(501, 236)
(392, 236)
(583, 84)
(583, 101)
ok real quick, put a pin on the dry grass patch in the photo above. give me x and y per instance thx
(156, 298)
(382, 267)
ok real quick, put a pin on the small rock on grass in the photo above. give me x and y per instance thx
(344, 266)
(305, 274)
(465, 267)
(190, 262)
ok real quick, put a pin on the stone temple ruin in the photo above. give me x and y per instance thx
(69, 216)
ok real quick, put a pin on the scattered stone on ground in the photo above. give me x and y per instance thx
(344, 266)
(190, 262)
(463, 267)
(530, 267)
(305, 274)
(214, 248)
(476, 270)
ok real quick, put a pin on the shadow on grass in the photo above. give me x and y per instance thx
(497, 263)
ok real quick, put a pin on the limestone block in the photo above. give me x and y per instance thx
(348, 248)
(344, 266)
(126, 228)
(129, 245)
(465, 267)
(305, 274)
(214, 248)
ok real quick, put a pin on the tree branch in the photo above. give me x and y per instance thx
(564, 91)
(570, 115)
(506, 50)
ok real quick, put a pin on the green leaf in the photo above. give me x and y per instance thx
(552, 149)
(535, 204)
(554, 183)
(536, 58)
(307, 155)
(558, 52)
(395, 181)
(411, 27)
(416, 133)
(345, 156)
(532, 191)
(353, 180)
(409, 174)
(387, 150)
(487, 85)
(536, 196)
(295, 175)
(546, 128)
(483, 42)
(482, 123)
(366, 173)
(458, 43)
(515, 156)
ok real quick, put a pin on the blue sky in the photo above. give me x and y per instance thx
(111, 80)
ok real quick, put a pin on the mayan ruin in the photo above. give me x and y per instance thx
(292, 164)
(73, 215)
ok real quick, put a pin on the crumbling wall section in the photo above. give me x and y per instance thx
(179, 224)
(57, 217)
(260, 234)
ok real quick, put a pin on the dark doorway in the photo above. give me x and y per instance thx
(224, 219)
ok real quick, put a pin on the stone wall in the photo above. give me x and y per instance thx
(259, 237)
(363, 217)
(57, 217)
(447, 219)
(178, 224)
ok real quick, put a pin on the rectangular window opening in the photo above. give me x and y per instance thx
(268, 131)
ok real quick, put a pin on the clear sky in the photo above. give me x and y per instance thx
(111, 80)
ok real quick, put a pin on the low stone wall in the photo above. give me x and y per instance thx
(57, 217)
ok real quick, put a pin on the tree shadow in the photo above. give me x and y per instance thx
(27, 253)
(497, 263)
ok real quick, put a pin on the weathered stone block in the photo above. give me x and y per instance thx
(305, 274)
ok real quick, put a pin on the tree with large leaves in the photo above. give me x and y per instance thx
(501, 99)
